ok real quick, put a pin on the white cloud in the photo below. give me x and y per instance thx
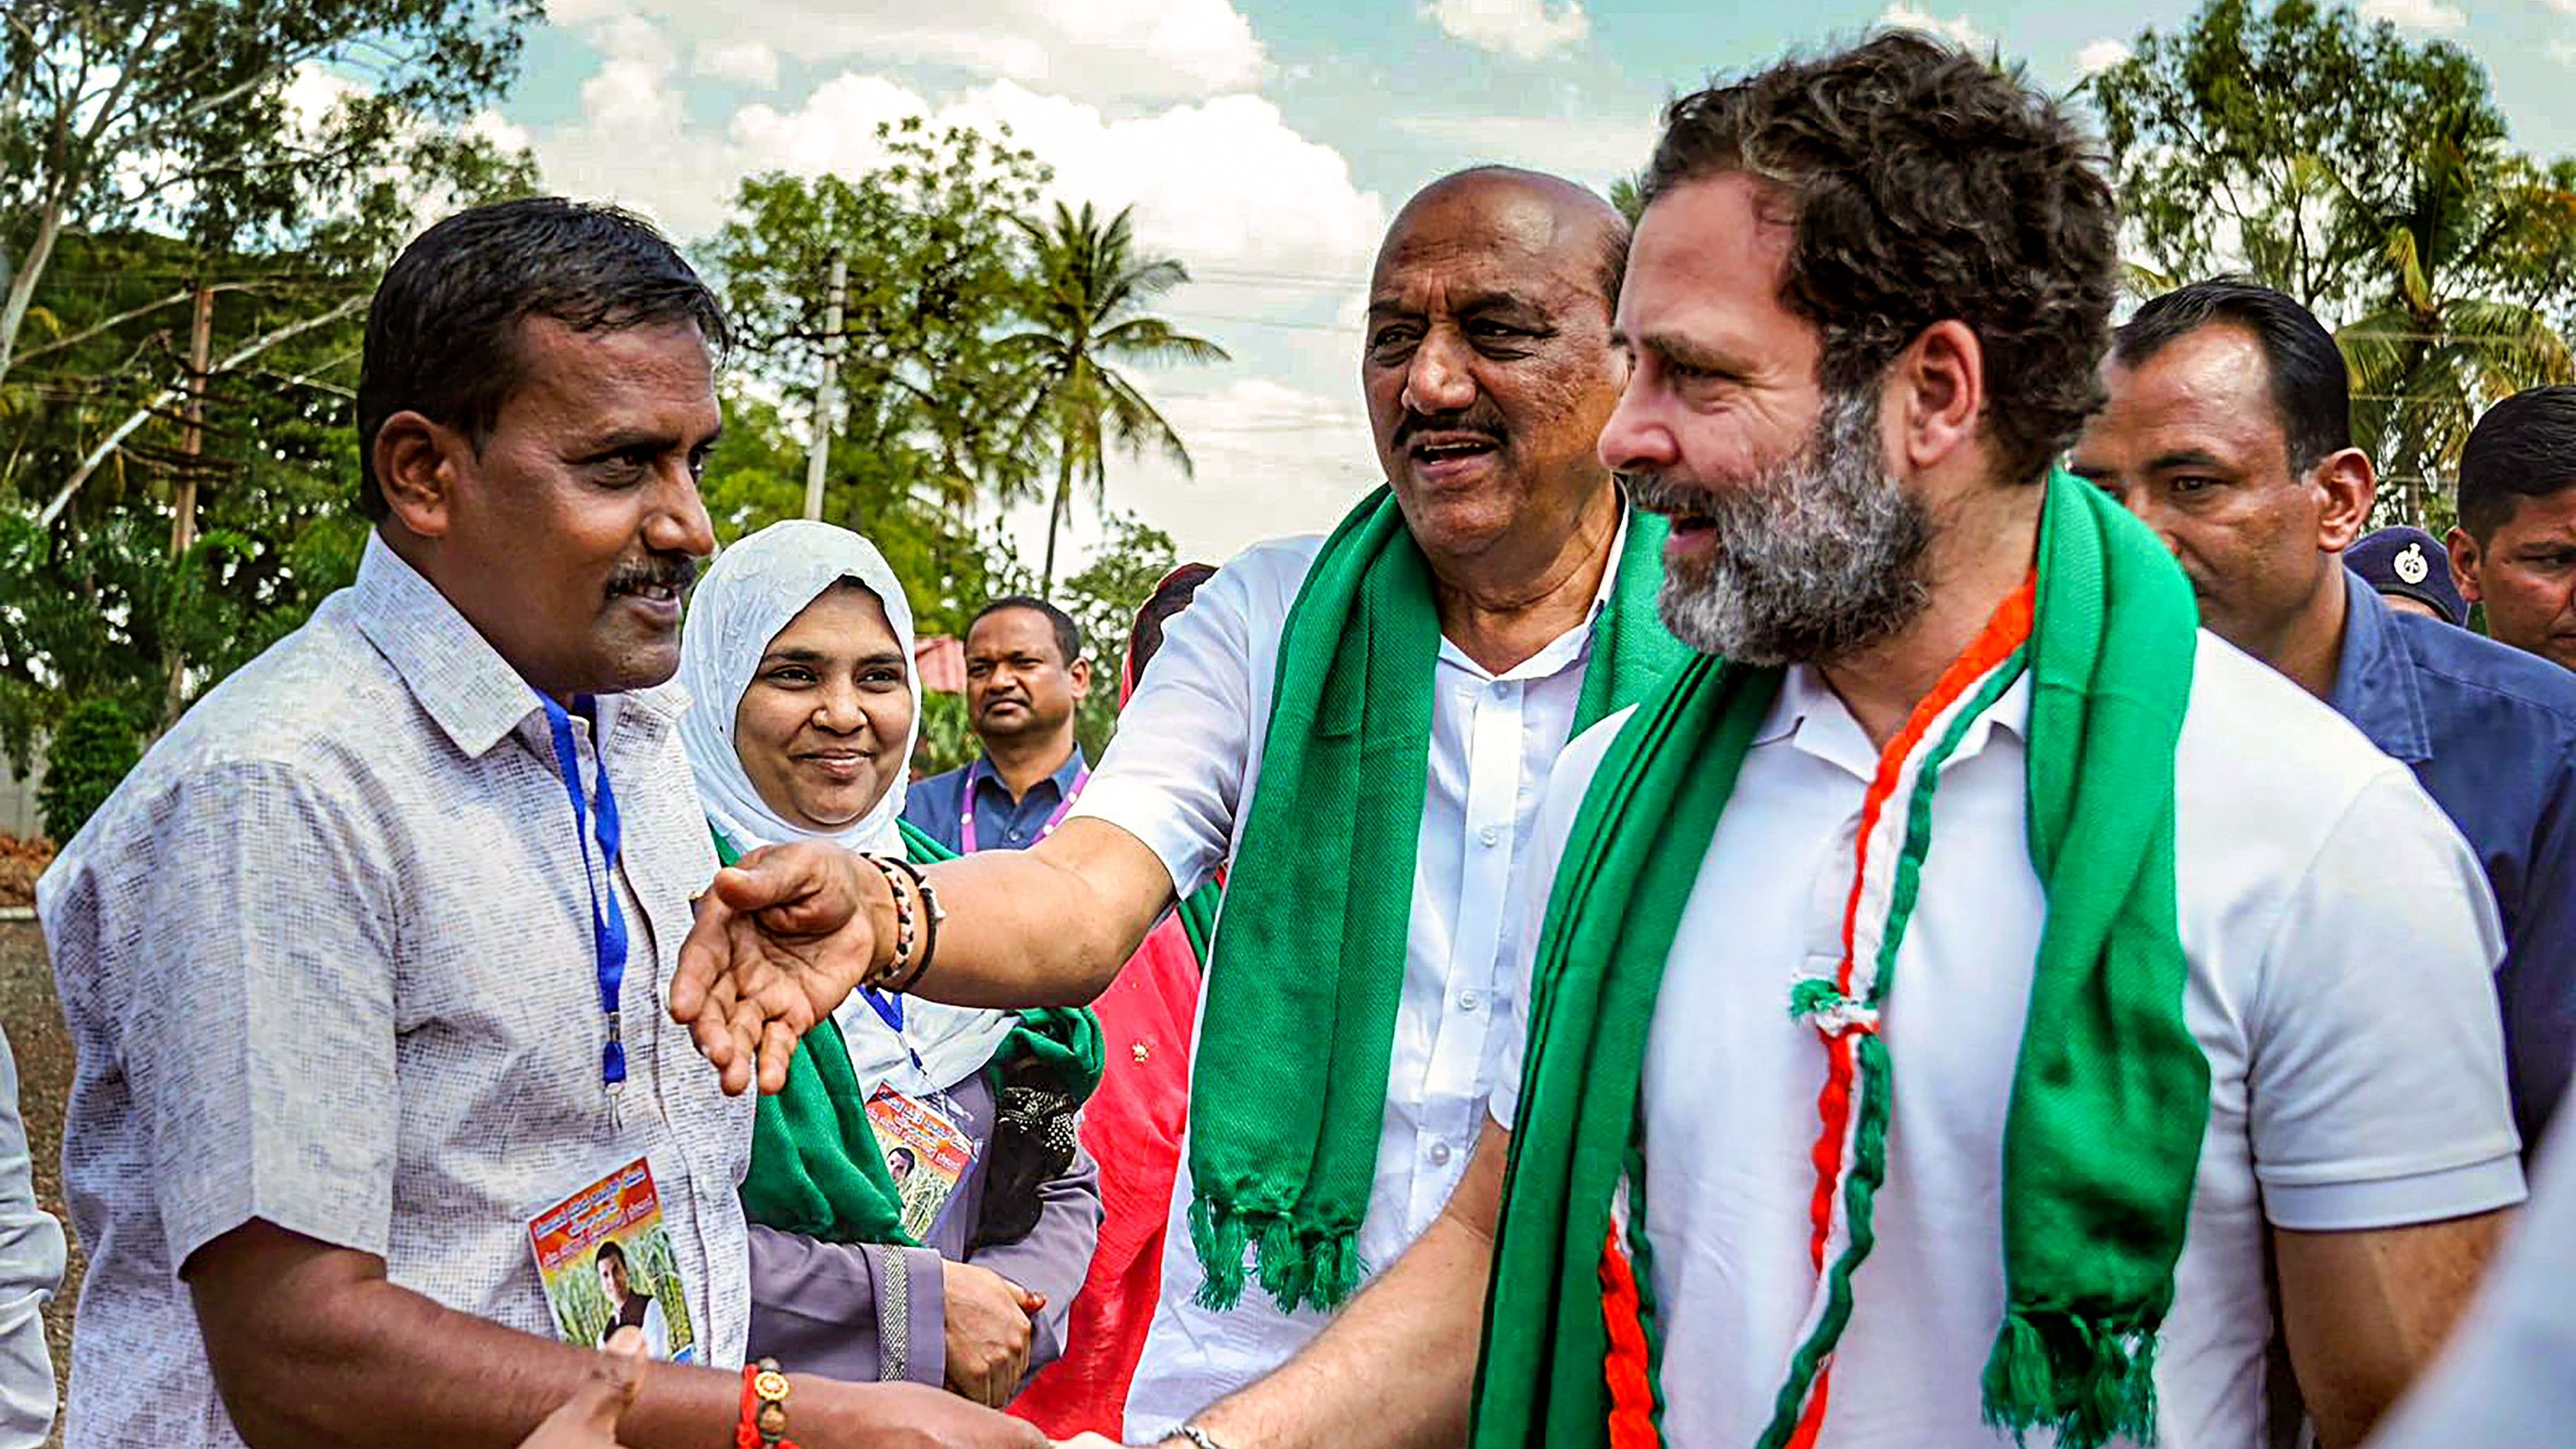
(2430, 15)
(1224, 182)
(1957, 28)
(1522, 29)
(748, 62)
(1125, 49)
(2104, 54)
(1269, 459)
(1594, 150)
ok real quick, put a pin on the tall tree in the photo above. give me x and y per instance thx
(935, 278)
(1087, 318)
(2454, 323)
(186, 116)
(757, 477)
(2367, 175)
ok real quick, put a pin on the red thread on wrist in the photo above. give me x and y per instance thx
(746, 1428)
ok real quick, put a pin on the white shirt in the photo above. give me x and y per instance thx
(327, 956)
(31, 1268)
(2340, 936)
(1183, 766)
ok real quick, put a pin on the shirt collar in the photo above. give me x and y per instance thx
(1064, 776)
(1815, 720)
(458, 677)
(1574, 644)
(2375, 676)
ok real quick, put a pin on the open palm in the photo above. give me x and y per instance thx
(781, 938)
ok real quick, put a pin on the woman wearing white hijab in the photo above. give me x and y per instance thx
(960, 1269)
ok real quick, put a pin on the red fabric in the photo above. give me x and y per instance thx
(1132, 1127)
(940, 660)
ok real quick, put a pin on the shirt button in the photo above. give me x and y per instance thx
(1490, 835)
(1439, 1154)
(1470, 999)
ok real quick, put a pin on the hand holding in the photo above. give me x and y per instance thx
(781, 938)
(588, 1420)
(988, 1332)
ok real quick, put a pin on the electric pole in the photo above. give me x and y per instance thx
(201, 334)
(183, 524)
(827, 402)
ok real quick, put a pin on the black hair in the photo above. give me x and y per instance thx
(2311, 389)
(2525, 447)
(1068, 636)
(443, 331)
(609, 1250)
(1169, 598)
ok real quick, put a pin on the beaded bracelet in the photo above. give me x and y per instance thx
(901, 961)
(763, 1424)
(932, 914)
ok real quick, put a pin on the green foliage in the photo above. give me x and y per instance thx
(93, 748)
(149, 148)
(947, 736)
(2367, 175)
(935, 273)
(1628, 194)
(1086, 315)
(181, 115)
(757, 477)
(1103, 599)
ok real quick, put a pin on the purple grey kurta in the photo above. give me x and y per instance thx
(825, 1308)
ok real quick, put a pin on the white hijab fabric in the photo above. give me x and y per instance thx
(752, 592)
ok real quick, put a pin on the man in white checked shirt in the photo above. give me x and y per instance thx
(354, 1006)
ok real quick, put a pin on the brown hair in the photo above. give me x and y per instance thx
(1924, 184)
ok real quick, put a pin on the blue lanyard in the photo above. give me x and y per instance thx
(889, 1009)
(607, 919)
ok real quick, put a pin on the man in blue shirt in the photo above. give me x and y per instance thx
(1025, 675)
(2514, 550)
(2228, 431)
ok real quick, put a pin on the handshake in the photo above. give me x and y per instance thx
(588, 1420)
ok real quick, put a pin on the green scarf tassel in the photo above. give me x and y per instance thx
(1301, 1005)
(816, 1169)
(2110, 1094)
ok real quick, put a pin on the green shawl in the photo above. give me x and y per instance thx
(1299, 1025)
(2110, 1093)
(816, 1168)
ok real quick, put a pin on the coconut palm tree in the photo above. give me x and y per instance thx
(2449, 332)
(1088, 317)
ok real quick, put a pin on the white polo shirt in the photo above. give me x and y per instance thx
(1178, 777)
(2340, 937)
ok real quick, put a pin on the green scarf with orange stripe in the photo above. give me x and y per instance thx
(2110, 1095)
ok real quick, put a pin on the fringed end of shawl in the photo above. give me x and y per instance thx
(1219, 1237)
(1338, 1271)
(1315, 1271)
(2087, 1382)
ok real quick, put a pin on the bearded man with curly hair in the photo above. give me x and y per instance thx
(1964, 1003)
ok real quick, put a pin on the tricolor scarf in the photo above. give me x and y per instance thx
(816, 1167)
(2110, 1093)
(1299, 1025)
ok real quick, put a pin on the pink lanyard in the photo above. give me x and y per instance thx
(966, 807)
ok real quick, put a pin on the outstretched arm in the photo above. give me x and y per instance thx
(789, 932)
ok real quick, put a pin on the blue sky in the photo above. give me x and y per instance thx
(1264, 142)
